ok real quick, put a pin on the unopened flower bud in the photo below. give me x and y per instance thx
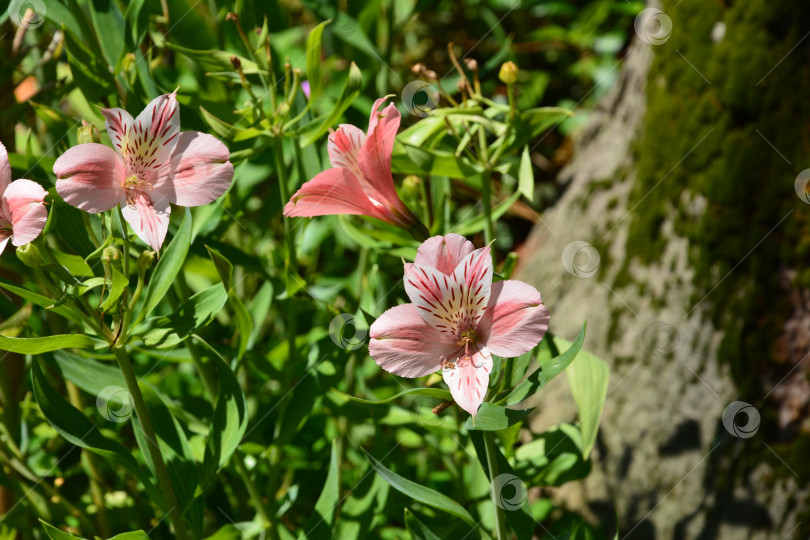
(30, 255)
(110, 253)
(235, 62)
(128, 62)
(87, 133)
(411, 186)
(471, 63)
(508, 73)
(231, 16)
(144, 262)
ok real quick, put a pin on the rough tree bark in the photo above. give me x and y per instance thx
(683, 184)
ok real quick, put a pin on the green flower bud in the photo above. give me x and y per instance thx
(144, 262)
(412, 187)
(88, 133)
(30, 255)
(128, 62)
(508, 73)
(110, 253)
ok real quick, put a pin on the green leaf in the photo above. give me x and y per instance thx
(547, 371)
(229, 423)
(529, 124)
(494, 417)
(354, 83)
(477, 224)
(119, 284)
(108, 22)
(223, 266)
(137, 20)
(69, 227)
(244, 322)
(588, 377)
(134, 535)
(67, 311)
(167, 267)
(418, 530)
(526, 175)
(314, 60)
(430, 392)
(56, 534)
(216, 61)
(88, 374)
(77, 429)
(420, 493)
(324, 515)
(230, 131)
(196, 312)
(90, 73)
(39, 345)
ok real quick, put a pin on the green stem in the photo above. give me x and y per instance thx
(281, 171)
(486, 200)
(162, 473)
(492, 465)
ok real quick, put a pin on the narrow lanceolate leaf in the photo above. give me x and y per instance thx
(420, 493)
(194, 314)
(167, 268)
(77, 429)
(244, 322)
(588, 377)
(228, 424)
(119, 284)
(547, 371)
(354, 83)
(320, 524)
(41, 345)
(56, 534)
(494, 417)
(314, 60)
(66, 311)
(418, 530)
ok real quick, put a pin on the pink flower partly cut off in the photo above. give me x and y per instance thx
(22, 210)
(153, 165)
(360, 182)
(457, 319)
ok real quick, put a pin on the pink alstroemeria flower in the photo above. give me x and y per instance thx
(458, 319)
(360, 182)
(157, 165)
(22, 212)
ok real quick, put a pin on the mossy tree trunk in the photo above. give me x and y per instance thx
(683, 183)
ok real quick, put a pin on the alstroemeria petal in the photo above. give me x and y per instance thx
(436, 297)
(198, 173)
(90, 177)
(443, 252)
(22, 202)
(118, 122)
(149, 219)
(152, 138)
(375, 155)
(5, 169)
(468, 379)
(516, 319)
(402, 343)
(344, 147)
(334, 191)
(474, 276)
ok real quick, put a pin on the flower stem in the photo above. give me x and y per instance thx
(486, 201)
(162, 473)
(492, 465)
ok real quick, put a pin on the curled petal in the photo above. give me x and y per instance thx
(402, 343)
(198, 173)
(118, 123)
(334, 191)
(344, 147)
(22, 203)
(149, 219)
(375, 155)
(468, 378)
(516, 319)
(90, 177)
(443, 252)
(5, 169)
